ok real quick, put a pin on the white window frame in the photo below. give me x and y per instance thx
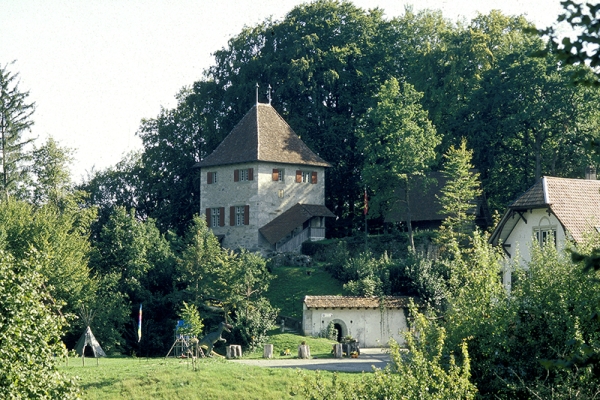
(243, 174)
(215, 217)
(239, 215)
(306, 176)
(544, 231)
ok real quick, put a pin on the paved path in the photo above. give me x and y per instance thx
(365, 362)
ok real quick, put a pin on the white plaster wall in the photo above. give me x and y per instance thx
(522, 236)
(371, 327)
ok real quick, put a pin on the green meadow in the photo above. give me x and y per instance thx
(214, 378)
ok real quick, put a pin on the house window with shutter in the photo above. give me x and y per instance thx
(242, 175)
(306, 176)
(211, 177)
(239, 215)
(215, 217)
(278, 175)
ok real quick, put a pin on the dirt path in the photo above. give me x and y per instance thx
(368, 359)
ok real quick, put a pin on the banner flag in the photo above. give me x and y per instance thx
(140, 325)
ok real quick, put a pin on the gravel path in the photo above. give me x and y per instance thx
(368, 359)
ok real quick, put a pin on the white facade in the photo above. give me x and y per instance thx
(372, 327)
(534, 227)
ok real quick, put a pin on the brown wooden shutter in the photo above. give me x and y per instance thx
(222, 216)
(208, 217)
(314, 177)
(236, 175)
(275, 174)
(246, 215)
(298, 176)
(209, 177)
(250, 174)
(232, 216)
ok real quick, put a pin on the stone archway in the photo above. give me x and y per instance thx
(342, 329)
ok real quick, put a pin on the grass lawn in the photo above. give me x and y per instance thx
(319, 347)
(160, 378)
(291, 284)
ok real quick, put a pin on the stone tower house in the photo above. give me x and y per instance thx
(262, 188)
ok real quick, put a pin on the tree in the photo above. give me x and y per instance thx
(584, 19)
(192, 322)
(60, 238)
(30, 329)
(135, 261)
(15, 120)
(459, 195)
(202, 259)
(50, 168)
(398, 142)
(526, 120)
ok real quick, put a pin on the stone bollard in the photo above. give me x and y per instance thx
(337, 350)
(268, 351)
(234, 351)
(303, 351)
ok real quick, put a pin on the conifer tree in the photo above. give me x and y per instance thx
(459, 195)
(15, 119)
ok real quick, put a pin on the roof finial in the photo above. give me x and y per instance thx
(256, 93)
(269, 94)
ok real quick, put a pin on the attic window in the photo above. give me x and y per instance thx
(545, 233)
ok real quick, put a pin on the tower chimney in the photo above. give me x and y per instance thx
(590, 173)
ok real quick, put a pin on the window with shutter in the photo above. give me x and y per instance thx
(215, 217)
(242, 175)
(278, 175)
(211, 177)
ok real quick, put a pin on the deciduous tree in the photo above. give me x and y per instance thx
(398, 142)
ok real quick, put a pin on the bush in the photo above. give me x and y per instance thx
(423, 372)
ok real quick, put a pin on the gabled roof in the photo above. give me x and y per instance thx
(426, 207)
(575, 202)
(356, 302)
(281, 226)
(262, 135)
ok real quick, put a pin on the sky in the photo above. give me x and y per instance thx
(96, 68)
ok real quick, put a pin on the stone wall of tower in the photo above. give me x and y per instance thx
(266, 198)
